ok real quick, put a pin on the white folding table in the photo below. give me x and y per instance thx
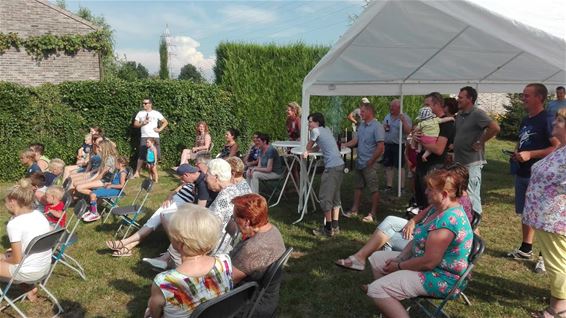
(311, 166)
(284, 145)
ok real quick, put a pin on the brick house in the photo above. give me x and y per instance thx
(37, 17)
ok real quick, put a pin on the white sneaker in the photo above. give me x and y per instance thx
(539, 267)
(86, 215)
(155, 262)
(91, 217)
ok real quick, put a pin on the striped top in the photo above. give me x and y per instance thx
(184, 293)
(187, 193)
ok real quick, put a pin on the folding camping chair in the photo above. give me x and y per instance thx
(478, 247)
(111, 202)
(39, 244)
(232, 230)
(227, 305)
(270, 282)
(67, 184)
(129, 214)
(68, 239)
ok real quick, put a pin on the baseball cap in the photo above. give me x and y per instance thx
(186, 168)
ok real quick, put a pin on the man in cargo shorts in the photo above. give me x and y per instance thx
(369, 140)
(331, 179)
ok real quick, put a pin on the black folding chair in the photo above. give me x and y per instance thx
(227, 305)
(231, 233)
(67, 184)
(69, 238)
(476, 220)
(478, 247)
(129, 214)
(269, 284)
(39, 244)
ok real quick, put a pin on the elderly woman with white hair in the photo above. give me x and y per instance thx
(194, 232)
(219, 178)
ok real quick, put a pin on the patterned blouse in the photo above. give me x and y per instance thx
(201, 140)
(441, 279)
(184, 293)
(545, 201)
(223, 208)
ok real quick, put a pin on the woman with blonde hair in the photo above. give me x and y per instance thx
(202, 143)
(194, 232)
(545, 211)
(24, 225)
(293, 122)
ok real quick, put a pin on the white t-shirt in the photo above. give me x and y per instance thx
(148, 130)
(24, 228)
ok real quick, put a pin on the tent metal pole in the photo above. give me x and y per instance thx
(401, 157)
(303, 198)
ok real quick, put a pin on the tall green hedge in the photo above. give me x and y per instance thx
(59, 116)
(264, 78)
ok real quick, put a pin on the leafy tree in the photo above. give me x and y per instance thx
(512, 118)
(190, 72)
(163, 60)
(131, 71)
(109, 61)
(61, 4)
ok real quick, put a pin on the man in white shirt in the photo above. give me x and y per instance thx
(147, 120)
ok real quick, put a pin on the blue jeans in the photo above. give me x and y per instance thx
(392, 226)
(521, 184)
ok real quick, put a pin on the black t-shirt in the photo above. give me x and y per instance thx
(447, 130)
(534, 134)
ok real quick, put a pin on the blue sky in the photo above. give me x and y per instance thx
(197, 27)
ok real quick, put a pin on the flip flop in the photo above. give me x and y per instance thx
(354, 263)
(350, 214)
(124, 252)
(540, 314)
(368, 219)
(115, 246)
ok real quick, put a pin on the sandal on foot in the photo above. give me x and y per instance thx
(354, 264)
(115, 245)
(124, 252)
(368, 219)
(364, 288)
(550, 311)
(350, 214)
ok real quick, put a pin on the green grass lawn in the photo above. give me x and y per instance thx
(314, 286)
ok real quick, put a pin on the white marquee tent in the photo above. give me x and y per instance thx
(413, 47)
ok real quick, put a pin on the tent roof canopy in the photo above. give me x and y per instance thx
(418, 46)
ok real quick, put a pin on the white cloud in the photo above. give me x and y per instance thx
(186, 52)
(248, 15)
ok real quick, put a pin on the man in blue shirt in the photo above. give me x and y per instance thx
(535, 143)
(369, 140)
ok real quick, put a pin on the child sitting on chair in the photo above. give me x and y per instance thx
(27, 158)
(55, 172)
(151, 159)
(54, 206)
(429, 127)
(110, 189)
(24, 225)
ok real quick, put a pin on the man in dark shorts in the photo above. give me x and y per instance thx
(148, 121)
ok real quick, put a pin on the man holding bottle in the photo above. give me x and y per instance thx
(392, 124)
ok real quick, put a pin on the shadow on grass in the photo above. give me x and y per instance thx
(508, 293)
(72, 309)
(138, 301)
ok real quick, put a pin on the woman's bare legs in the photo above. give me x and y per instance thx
(85, 188)
(377, 240)
(185, 156)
